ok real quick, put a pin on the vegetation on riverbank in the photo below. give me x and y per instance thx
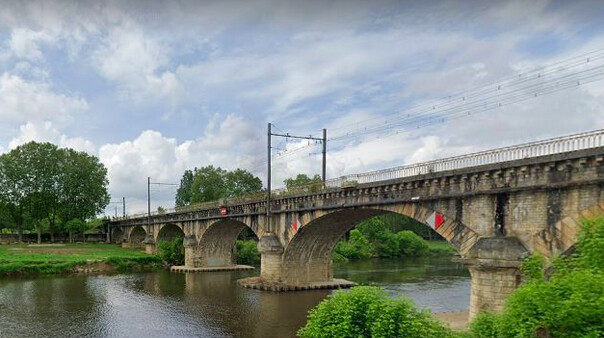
(367, 311)
(375, 238)
(22, 259)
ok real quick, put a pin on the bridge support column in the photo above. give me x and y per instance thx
(271, 253)
(494, 266)
(191, 252)
(149, 244)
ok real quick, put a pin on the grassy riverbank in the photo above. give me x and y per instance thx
(23, 259)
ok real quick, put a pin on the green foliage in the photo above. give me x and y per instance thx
(211, 184)
(172, 252)
(569, 304)
(532, 268)
(485, 325)
(590, 244)
(247, 252)
(76, 225)
(303, 182)
(366, 311)
(410, 244)
(357, 247)
(373, 238)
(40, 181)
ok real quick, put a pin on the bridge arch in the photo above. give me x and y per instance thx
(169, 232)
(137, 236)
(117, 235)
(563, 236)
(308, 255)
(216, 247)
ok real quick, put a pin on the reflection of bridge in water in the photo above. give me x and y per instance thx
(494, 207)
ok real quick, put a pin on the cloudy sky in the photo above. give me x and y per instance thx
(154, 88)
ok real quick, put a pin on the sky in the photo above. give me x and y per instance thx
(157, 87)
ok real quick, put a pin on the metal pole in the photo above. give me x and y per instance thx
(149, 204)
(324, 156)
(116, 211)
(124, 207)
(268, 179)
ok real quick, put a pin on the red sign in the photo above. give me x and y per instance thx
(435, 220)
(223, 210)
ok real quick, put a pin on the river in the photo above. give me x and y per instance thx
(164, 304)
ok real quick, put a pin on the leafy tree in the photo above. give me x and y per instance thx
(83, 185)
(46, 183)
(183, 194)
(172, 252)
(302, 180)
(75, 225)
(357, 246)
(241, 182)
(214, 183)
(247, 252)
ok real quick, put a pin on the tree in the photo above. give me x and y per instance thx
(241, 182)
(47, 183)
(214, 183)
(302, 180)
(83, 185)
(183, 194)
(75, 225)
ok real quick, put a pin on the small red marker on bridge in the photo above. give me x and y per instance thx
(223, 210)
(435, 220)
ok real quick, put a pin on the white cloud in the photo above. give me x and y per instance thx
(23, 101)
(136, 63)
(25, 43)
(46, 132)
(230, 142)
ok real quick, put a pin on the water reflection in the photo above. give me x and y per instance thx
(164, 304)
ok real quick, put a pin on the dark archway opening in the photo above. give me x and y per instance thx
(117, 235)
(137, 236)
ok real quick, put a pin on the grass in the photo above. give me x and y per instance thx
(437, 248)
(23, 259)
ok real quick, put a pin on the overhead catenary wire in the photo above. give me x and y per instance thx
(537, 84)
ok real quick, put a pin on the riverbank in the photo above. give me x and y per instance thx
(48, 259)
(456, 320)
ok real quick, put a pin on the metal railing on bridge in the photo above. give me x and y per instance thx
(587, 140)
(575, 142)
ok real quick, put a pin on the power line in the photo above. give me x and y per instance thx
(537, 83)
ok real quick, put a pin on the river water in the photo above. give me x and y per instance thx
(164, 304)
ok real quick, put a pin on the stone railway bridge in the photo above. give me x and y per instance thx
(495, 207)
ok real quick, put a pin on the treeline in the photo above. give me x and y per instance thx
(211, 183)
(44, 188)
(389, 235)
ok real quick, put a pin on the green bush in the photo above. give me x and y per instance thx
(172, 252)
(569, 304)
(410, 244)
(247, 252)
(357, 247)
(366, 311)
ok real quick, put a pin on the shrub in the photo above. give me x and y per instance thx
(410, 244)
(172, 252)
(357, 247)
(247, 252)
(366, 311)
